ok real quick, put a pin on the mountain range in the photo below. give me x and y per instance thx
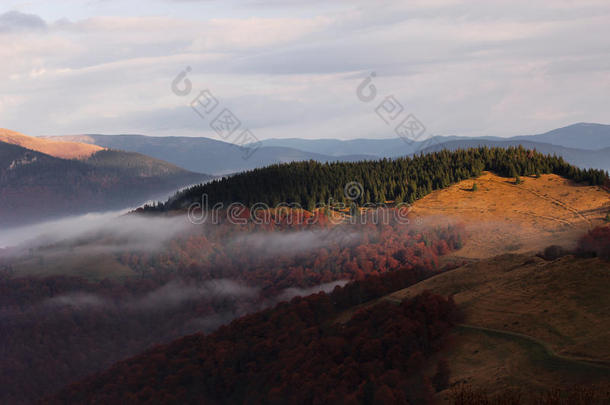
(585, 145)
(206, 155)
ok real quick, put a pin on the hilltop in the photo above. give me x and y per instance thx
(57, 148)
(502, 217)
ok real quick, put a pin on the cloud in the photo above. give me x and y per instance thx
(290, 69)
(16, 21)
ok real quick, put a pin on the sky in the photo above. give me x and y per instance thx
(293, 68)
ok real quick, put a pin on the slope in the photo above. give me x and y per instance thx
(502, 217)
(528, 323)
(56, 148)
(36, 186)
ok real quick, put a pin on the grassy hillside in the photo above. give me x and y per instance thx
(57, 148)
(504, 217)
(529, 323)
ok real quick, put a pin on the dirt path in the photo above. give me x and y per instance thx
(549, 355)
(547, 198)
(537, 344)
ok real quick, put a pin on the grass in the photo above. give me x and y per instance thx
(594, 394)
(540, 353)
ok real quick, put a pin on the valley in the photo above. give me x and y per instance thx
(152, 276)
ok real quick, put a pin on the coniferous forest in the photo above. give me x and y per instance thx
(311, 184)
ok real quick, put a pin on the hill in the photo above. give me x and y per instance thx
(291, 353)
(56, 148)
(36, 186)
(529, 324)
(351, 347)
(404, 180)
(504, 217)
(206, 155)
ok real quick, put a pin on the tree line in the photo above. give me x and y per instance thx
(311, 184)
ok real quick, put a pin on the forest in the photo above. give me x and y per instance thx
(312, 184)
(293, 353)
(62, 328)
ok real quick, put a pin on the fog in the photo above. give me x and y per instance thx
(290, 293)
(290, 243)
(78, 300)
(112, 231)
(176, 292)
(167, 296)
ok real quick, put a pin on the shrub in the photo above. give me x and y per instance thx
(553, 252)
(596, 243)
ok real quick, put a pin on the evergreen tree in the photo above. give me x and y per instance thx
(403, 179)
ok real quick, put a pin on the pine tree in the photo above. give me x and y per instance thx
(406, 179)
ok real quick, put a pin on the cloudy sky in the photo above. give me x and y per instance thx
(291, 68)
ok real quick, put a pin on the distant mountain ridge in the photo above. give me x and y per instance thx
(584, 136)
(206, 155)
(579, 136)
(581, 144)
(35, 186)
